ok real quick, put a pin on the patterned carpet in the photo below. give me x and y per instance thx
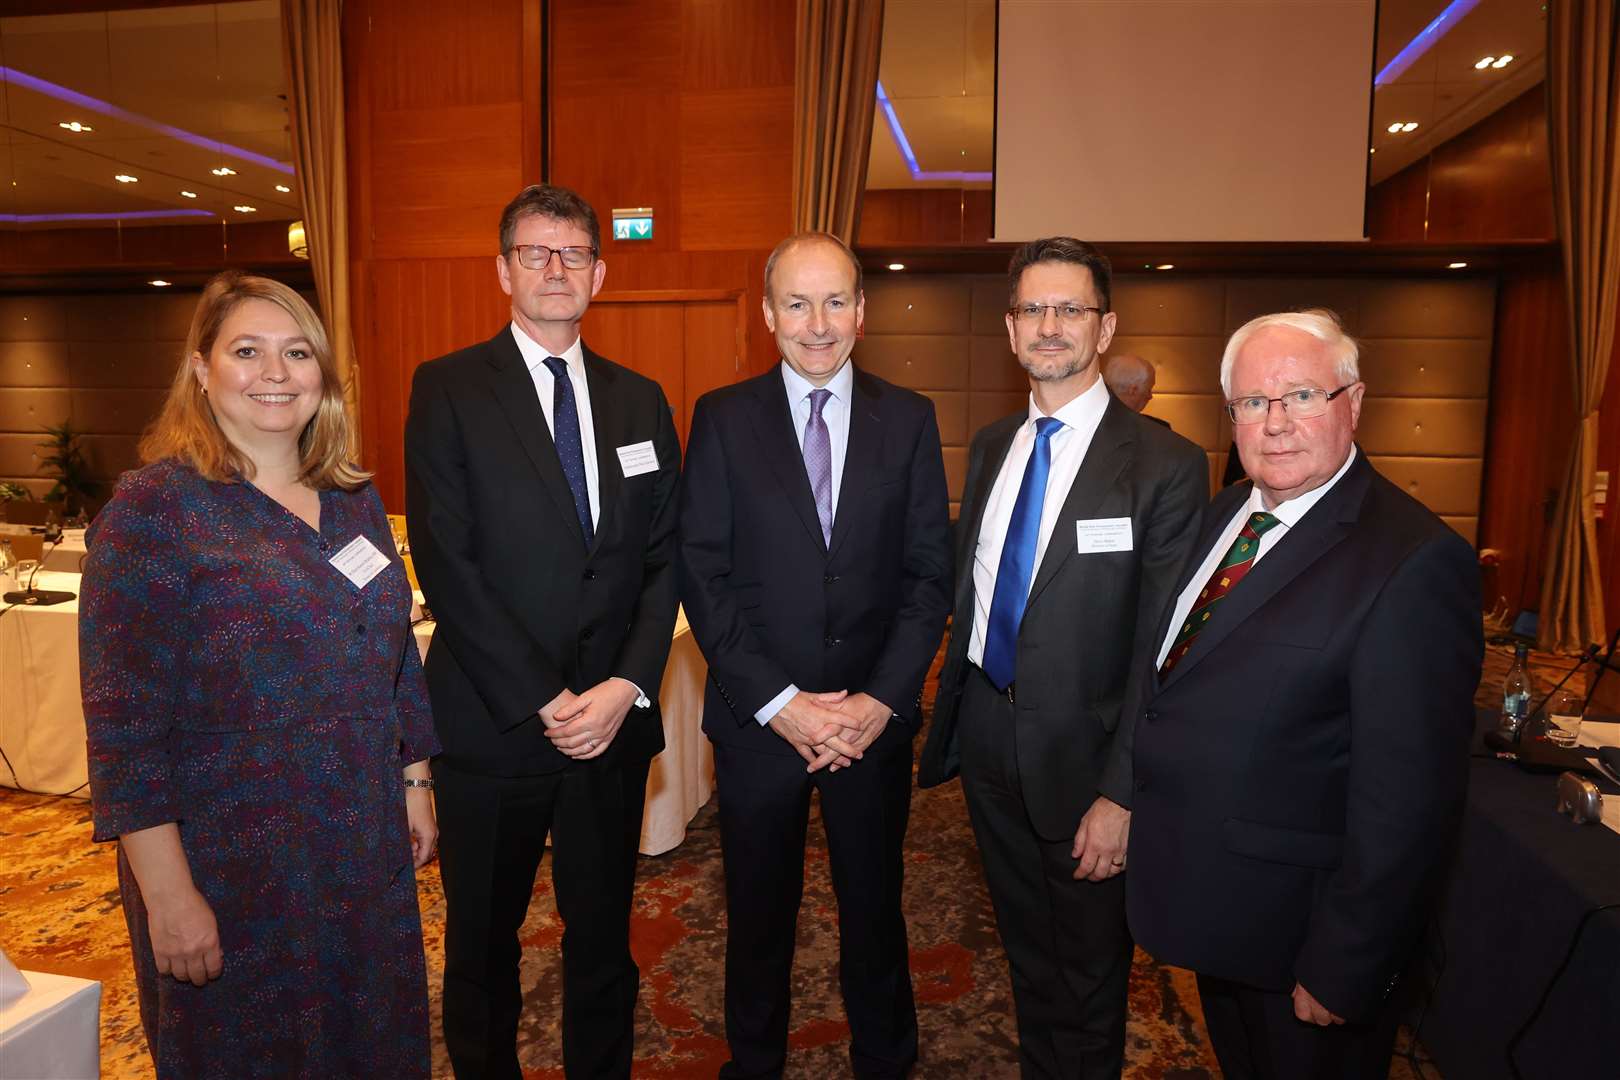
(59, 912)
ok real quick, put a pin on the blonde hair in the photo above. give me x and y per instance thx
(1320, 323)
(186, 429)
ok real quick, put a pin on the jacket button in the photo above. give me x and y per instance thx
(590, 575)
(831, 641)
(1150, 716)
(585, 634)
(1141, 784)
(829, 579)
(360, 628)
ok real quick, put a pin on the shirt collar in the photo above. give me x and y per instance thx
(1084, 412)
(841, 384)
(534, 354)
(1289, 511)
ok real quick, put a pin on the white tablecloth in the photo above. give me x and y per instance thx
(51, 1032)
(67, 556)
(41, 719)
(682, 777)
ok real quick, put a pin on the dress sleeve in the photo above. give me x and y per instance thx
(132, 620)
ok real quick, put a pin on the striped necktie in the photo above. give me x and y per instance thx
(1228, 572)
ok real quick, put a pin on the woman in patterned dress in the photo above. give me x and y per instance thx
(252, 697)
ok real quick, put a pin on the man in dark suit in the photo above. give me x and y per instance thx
(540, 501)
(1130, 379)
(1076, 516)
(815, 571)
(1302, 736)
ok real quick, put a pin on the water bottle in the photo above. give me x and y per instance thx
(8, 566)
(1516, 693)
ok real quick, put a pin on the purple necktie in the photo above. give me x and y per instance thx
(818, 461)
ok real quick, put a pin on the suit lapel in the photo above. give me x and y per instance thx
(606, 422)
(773, 425)
(1323, 527)
(1219, 516)
(1112, 447)
(971, 516)
(861, 454)
(514, 391)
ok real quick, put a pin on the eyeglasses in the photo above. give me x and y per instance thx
(1034, 313)
(538, 256)
(1301, 404)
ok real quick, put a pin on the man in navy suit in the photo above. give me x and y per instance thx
(1301, 740)
(815, 569)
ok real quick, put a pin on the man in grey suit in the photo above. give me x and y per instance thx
(1077, 515)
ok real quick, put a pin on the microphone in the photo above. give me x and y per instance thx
(1504, 743)
(32, 597)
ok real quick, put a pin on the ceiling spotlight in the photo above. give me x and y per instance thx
(189, 194)
(1503, 61)
(1165, 266)
(125, 178)
(1455, 265)
(283, 188)
(244, 209)
(1410, 125)
(1484, 62)
(1395, 128)
(160, 283)
(74, 126)
(223, 170)
(897, 266)
(1372, 149)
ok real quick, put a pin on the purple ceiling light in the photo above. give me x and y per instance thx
(126, 215)
(904, 145)
(1425, 38)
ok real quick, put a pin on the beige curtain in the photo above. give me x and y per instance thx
(312, 30)
(834, 96)
(1583, 112)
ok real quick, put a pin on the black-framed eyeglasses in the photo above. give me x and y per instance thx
(1301, 404)
(1034, 313)
(538, 256)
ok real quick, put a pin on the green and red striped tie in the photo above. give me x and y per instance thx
(1230, 571)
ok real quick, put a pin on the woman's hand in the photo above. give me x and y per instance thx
(185, 937)
(424, 826)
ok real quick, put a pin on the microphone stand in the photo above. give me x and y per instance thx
(32, 597)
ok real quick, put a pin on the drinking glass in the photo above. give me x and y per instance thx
(1564, 718)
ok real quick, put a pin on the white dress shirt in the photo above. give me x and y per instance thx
(1069, 445)
(545, 385)
(835, 414)
(1288, 514)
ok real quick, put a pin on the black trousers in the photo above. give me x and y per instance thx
(1257, 1037)
(492, 833)
(764, 814)
(1066, 940)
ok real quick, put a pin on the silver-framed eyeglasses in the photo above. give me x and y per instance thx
(1034, 313)
(1301, 404)
(538, 256)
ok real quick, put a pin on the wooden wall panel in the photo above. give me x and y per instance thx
(892, 216)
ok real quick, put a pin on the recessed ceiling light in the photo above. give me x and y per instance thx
(1165, 266)
(223, 170)
(189, 194)
(1484, 62)
(1395, 128)
(897, 266)
(283, 188)
(1372, 149)
(245, 209)
(1455, 265)
(74, 126)
(1503, 61)
(1410, 125)
(125, 178)
(160, 283)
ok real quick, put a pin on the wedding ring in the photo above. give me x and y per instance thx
(593, 744)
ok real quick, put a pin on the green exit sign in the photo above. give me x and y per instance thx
(633, 223)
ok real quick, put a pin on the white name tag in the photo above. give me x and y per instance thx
(638, 458)
(1103, 534)
(360, 561)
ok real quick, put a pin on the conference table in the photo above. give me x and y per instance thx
(67, 554)
(42, 721)
(1530, 918)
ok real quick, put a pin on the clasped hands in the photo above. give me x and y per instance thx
(831, 730)
(582, 726)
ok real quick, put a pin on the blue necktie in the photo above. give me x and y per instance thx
(1018, 561)
(565, 433)
(818, 461)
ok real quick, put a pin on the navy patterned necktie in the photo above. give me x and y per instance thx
(565, 433)
(818, 461)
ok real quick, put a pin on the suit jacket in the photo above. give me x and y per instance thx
(1301, 771)
(1087, 615)
(770, 602)
(524, 609)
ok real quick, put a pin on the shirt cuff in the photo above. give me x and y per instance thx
(768, 712)
(642, 700)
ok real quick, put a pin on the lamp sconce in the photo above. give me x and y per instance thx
(295, 240)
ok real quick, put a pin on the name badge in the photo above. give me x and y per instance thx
(360, 561)
(1103, 534)
(638, 458)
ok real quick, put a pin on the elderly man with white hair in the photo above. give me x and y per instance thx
(1130, 379)
(1301, 745)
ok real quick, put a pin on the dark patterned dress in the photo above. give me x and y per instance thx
(239, 685)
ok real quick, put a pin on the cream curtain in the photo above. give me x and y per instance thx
(834, 96)
(312, 30)
(1583, 112)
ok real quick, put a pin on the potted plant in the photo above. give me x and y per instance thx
(74, 486)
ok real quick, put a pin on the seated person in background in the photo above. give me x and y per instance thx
(252, 695)
(1130, 378)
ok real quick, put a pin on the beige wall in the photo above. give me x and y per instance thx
(1426, 358)
(101, 361)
